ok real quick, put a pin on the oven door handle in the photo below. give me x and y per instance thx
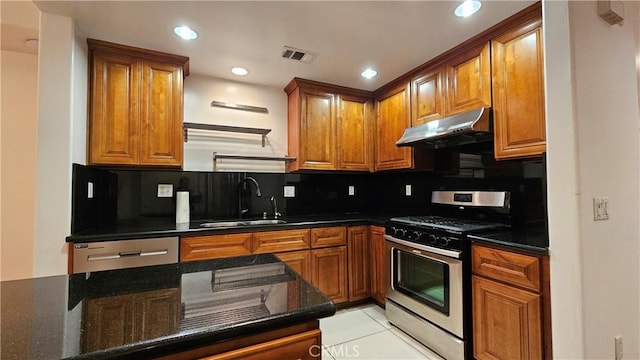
(450, 253)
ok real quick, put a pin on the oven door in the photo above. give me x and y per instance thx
(427, 281)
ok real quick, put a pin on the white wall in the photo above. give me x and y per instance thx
(562, 186)
(199, 91)
(19, 119)
(606, 103)
(61, 93)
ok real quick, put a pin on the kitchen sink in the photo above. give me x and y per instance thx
(216, 224)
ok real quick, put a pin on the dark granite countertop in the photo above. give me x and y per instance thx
(155, 310)
(532, 241)
(161, 227)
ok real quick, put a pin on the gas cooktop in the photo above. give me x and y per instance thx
(444, 223)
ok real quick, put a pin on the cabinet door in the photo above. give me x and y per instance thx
(108, 322)
(330, 236)
(317, 131)
(300, 261)
(427, 97)
(359, 263)
(157, 313)
(469, 80)
(518, 93)
(378, 263)
(506, 322)
(354, 146)
(330, 272)
(114, 117)
(393, 117)
(214, 246)
(161, 115)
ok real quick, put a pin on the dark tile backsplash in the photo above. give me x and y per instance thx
(214, 195)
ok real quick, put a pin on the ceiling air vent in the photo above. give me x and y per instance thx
(297, 54)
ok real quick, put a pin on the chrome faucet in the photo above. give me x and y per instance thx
(241, 209)
(274, 207)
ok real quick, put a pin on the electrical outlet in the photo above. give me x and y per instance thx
(407, 190)
(618, 346)
(89, 190)
(600, 208)
(289, 191)
(165, 190)
(352, 190)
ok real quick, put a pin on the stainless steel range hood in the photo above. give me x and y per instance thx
(469, 127)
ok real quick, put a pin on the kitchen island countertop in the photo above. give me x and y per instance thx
(153, 311)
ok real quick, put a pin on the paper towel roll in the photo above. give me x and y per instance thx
(182, 207)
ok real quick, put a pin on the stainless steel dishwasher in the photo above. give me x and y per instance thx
(121, 254)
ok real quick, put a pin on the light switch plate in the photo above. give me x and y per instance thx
(407, 190)
(89, 190)
(289, 191)
(600, 208)
(352, 190)
(165, 190)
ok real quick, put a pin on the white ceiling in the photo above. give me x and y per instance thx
(391, 36)
(19, 22)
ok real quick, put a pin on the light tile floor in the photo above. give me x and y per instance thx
(364, 333)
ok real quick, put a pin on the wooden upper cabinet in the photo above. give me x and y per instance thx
(161, 114)
(135, 106)
(427, 96)
(114, 115)
(317, 131)
(328, 127)
(354, 147)
(469, 80)
(393, 117)
(518, 92)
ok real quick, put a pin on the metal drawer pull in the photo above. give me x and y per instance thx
(154, 253)
(102, 257)
(127, 254)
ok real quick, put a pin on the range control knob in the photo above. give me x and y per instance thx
(444, 241)
(415, 235)
(433, 239)
(402, 232)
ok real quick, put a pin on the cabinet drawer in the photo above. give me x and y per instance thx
(278, 241)
(515, 269)
(331, 236)
(214, 246)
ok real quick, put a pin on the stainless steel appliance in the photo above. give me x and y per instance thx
(110, 255)
(428, 270)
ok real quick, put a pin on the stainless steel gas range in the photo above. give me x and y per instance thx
(428, 269)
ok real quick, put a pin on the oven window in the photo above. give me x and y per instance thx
(423, 279)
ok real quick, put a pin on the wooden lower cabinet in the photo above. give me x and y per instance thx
(378, 263)
(300, 261)
(300, 346)
(506, 321)
(117, 320)
(358, 249)
(214, 246)
(279, 241)
(329, 272)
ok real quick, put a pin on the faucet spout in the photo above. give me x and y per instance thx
(241, 209)
(274, 206)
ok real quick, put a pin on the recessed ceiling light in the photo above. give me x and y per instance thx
(240, 71)
(468, 8)
(185, 32)
(369, 73)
